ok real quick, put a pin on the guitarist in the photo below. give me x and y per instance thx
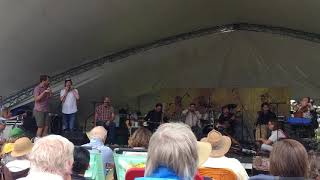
(225, 120)
(155, 117)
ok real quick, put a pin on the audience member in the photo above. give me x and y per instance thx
(51, 158)
(314, 170)
(21, 165)
(15, 134)
(81, 163)
(6, 153)
(2, 127)
(98, 136)
(276, 135)
(220, 146)
(172, 153)
(288, 159)
(140, 138)
(262, 121)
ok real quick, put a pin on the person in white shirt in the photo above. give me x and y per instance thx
(220, 146)
(20, 166)
(192, 117)
(69, 97)
(276, 135)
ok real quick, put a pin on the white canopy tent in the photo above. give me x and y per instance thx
(49, 37)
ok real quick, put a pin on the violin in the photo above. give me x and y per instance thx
(300, 111)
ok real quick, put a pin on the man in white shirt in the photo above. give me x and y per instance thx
(220, 146)
(276, 135)
(192, 117)
(69, 97)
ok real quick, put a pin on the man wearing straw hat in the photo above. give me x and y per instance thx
(220, 146)
(21, 165)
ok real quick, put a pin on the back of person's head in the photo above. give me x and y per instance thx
(174, 146)
(314, 164)
(140, 138)
(52, 154)
(81, 160)
(98, 132)
(21, 148)
(289, 158)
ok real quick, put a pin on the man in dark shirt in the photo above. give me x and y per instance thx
(225, 120)
(154, 117)
(263, 118)
(265, 114)
(81, 163)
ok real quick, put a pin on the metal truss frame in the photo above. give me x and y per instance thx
(27, 93)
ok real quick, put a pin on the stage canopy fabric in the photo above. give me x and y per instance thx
(50, 37)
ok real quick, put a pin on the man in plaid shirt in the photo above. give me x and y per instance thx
(104, 116)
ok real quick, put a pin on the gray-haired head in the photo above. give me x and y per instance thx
(174, 146)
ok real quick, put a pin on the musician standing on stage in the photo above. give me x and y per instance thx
(104, 116)
(69, 97)
(192, 116)
(42, 94)
(262, 121)
(155, 117)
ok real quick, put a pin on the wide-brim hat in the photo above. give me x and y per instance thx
(204, 150)
(220, 144)
(7, 148)
(21, 147)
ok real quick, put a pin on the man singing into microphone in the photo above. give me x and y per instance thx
(42, 94)
(69, 97)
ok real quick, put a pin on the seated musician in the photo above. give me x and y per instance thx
(263, 117)
(276, 134)
(192, 116)
(303, 109)
(225, 120)
(155, 117)
(131, 122)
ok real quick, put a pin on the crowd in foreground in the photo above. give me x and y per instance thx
(173, 153)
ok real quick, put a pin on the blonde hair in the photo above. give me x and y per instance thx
(51, 154)
(174, 146)
(140, 138)
(98, 132)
